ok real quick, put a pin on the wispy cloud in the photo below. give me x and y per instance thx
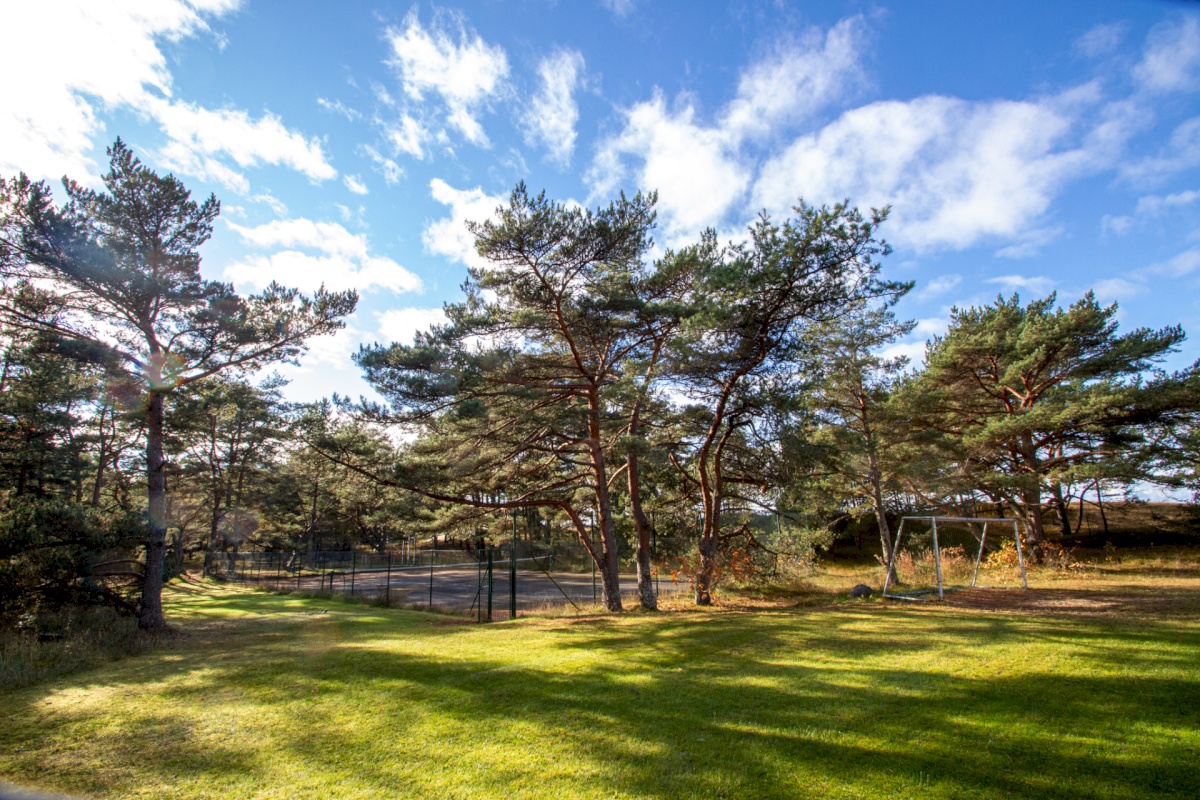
(201, 141)
(1030, 285)
(388, 168)
(937, 287)
(309, 254)
(339, 108)
(450, 62)
(552, 113)
(619, 8)
(1171, 61)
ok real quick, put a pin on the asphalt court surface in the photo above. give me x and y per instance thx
(464, 587)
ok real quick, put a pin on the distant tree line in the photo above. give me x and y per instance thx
(598, 388)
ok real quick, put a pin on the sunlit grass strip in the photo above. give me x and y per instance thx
(266, 696)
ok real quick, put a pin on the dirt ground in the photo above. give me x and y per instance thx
(1149, 582)
(1134, 600)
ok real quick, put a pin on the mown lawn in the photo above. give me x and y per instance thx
(266, 696)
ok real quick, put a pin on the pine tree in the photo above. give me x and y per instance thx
(127, 262)
(1021, 396)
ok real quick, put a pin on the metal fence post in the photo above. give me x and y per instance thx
(490, 554)
(512, 572)
(387, 592)
(353, 564)
(937, 561)
(432, 555)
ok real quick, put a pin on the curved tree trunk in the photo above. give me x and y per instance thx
(647, 597)
(708, 568)
(609, 565)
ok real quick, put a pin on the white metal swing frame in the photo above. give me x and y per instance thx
(937, 553)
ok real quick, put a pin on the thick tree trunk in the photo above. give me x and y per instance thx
(151, 616)
(1031, 498)
(885, 530)
(1060, 506)
(708, 566)
(1031, 508)
(609, 566)
(647, 597)
(710, 528)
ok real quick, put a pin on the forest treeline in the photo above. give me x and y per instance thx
(600, 388)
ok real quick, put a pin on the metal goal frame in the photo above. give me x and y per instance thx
(937, 553)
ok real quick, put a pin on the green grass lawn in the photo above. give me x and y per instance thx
(267, 696)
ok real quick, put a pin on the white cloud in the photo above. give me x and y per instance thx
(51, 114)
(701, 171)
(954, 171)
(799, 79)
(451, 62)
(1100, 40)
(1171, 62)
(328, 237)
(1120, 225)
(937, 287)
(355, 184)
(931, 326)
(315, 254)
(913, 351)
(696, 169)
(407, 136)
(402, 324)
(552, 113)
(389, 169)
(272, 202)
(619, 8)
(957, 173)
(1183, 264)
(1037, 285)
(1148, 207)
(333, 351)
(339, 108)
(1030, 242)
(1181, 153)
(196, 136)
(449, 236)
(104, 54)
(1154, 205)
(1109, 290)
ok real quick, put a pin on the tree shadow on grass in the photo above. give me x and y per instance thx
(735, 725)
(867, 701)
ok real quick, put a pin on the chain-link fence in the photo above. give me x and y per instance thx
(485, 581)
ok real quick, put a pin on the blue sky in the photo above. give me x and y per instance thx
(1023, 146)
